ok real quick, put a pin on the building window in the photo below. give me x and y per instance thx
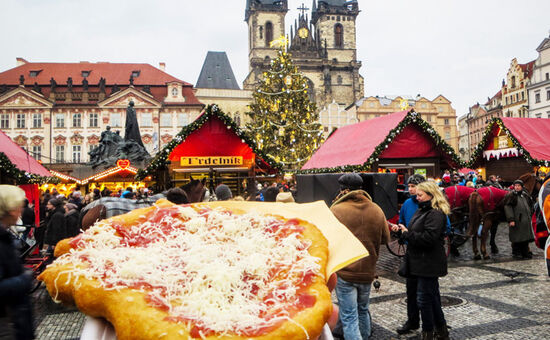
(37, 120)
(428, 118)
(175, 91)
(547, 76)
(85, 74)
(37, 152)
(523, 96)
(371, 104)
(238, 119)
(517, 97)
(93, 119)
(538, 115)
(537, 97)
(424, 105)
(92, 147)
(547, 94)
(506, 100)
(165, 119)
(135, 74)
(446, 121)
(268, 33)
(261, 32)
(183, 119)
(60, 153)
(33, 74)
(338, 36)
(513, 81)
(4, 121)
(146, 119)
(59, 120)
(440, 109)
(76, 153)
(447, 135)
(115, 120)
(20, 121)
(77, 120)
(339, 80)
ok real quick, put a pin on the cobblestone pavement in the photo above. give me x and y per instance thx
(488, 304)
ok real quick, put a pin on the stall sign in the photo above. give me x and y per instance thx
(422, 172)
(202, 161)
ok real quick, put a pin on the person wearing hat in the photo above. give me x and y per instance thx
(354, 208)
(518, 210)
(15, 281)
(223, 193)
(56, 227)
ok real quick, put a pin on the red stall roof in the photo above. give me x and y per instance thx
(20, 158)
(354, 145)
(532, 134)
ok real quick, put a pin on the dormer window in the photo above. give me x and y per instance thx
(175, 91)
(85, 74)
(135, 74)
(33, 74)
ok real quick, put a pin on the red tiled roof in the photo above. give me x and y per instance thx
(20, 158)
(114, 73)
(528, 68)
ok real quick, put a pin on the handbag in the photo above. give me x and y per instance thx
(404, 268)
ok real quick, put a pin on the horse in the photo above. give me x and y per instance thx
(485, 207)
(532, 183)
(195, 190)
(457, 196)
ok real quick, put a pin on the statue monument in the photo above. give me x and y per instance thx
(112, 147)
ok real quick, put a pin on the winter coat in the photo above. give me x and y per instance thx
(56, 228)
(409, 207)
(425, 250)
(518, 208)
(367, 222)
(71, 221)
(27, 216)
(15, 285)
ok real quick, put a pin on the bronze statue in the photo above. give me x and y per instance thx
(53, 84)
(21, 80)
(69, 84)
(85, 84)
(131, 130)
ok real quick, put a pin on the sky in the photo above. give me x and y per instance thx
(460, 49)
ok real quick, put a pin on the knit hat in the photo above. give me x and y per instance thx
(350, 181)
(285, 197)
(518, 181)
(223, 193)
(71, 206)
(55, 202)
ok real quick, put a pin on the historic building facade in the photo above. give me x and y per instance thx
(57, 111)
(438, 112)
(514, 89)
(323, 47)
(539, 86)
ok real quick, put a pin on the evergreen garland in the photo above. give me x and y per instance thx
(411, 118)
(161, 158)
(9, 170)
(478, 152)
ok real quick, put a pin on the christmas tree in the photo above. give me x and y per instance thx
(284, 122)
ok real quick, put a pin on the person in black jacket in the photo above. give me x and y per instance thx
(56, 228)
(426, 256)
(27, 217)
(15, 282)
(71, 219)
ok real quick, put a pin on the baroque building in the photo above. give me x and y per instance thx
(437, 112)
(323, 47)
(57, 111)
(514, 89)
(539, 86)
(476, 121)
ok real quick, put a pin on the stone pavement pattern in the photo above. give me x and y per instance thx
(493, 305)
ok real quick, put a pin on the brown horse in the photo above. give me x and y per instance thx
(195, 190)
(532, 183)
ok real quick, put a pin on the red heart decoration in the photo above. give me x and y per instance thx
(123, 163)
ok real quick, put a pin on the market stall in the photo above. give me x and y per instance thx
(400, 142)
(214, 147)
(511, 147)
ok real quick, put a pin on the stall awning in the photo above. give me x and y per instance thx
(398, 135)
(20, 158)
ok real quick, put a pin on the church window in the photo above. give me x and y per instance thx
(175, 91)
(93, 119)
(146, 119)
(338, 36)
(20, 121)
(268, 33)
(60, 153)
(76, 153)
(4, 121)
(37, 152)
(183, 119)
(115, 119)
(339, 80)
(165, 119)
(77, 120)
(59, 120)
(37, 120)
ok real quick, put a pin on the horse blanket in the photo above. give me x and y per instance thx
(458, 195)
(491, 197)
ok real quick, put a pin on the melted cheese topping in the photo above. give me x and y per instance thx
(211, 268)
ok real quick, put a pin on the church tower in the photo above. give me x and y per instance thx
(266, 22)
(323, 47)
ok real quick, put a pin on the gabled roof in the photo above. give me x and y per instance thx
(544, 45)
(527, 68)
(20, 158)
(358, 146)
(114, 73)
(217, 73)
(530, 135)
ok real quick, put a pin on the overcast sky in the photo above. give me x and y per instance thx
(461, 49)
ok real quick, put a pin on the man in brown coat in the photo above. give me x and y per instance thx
(355, 209)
